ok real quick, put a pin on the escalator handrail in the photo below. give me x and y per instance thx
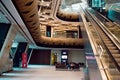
(107, 19)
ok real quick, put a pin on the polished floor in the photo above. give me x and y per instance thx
(40, 72)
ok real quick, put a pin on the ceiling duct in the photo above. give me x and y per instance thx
(28, 10)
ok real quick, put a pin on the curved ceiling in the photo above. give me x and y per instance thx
(28, 9)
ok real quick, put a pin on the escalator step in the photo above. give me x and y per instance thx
(116, 55)
(115, 52)
(110, 45)
(112, 48)
(115, 77)
(108, 42)
(108, 60)
(114, 71)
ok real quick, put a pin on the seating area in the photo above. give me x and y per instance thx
(59, 65)
(68, 66)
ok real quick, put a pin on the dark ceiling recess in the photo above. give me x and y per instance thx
(61, 46)
(28, 10)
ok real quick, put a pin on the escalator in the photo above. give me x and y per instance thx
(110, 44)
(112, 26)
(114, 53)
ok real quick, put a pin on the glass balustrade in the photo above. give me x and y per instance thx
(109, 65)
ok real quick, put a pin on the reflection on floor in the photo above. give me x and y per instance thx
(40, 72)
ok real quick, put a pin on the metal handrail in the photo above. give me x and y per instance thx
(110, 21)
(84, 12)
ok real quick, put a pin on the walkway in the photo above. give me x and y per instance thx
(37, 72)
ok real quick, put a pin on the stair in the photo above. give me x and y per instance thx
(114, 72)
(106, 59)
(115, 77)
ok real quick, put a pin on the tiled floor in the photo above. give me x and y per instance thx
(38, 72)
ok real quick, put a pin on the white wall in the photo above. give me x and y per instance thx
(76, 56)
(73, 55)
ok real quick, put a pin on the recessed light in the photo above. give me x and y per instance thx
(47, 4)
(42, 1)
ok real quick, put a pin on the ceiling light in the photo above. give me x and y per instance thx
(42, 1)
(47, 4)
